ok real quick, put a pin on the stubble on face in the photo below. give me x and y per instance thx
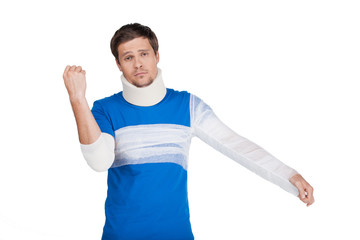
(138, 62)
(142, 81)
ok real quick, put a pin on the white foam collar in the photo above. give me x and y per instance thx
(144, 96)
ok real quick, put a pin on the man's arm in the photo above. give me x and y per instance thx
(97, 147)
(75, 83)
(208, 127)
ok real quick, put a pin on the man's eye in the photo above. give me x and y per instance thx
(144, 54)
(128, 58)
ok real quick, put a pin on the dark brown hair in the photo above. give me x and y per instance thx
(129, 32)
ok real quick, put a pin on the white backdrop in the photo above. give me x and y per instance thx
(283, 74)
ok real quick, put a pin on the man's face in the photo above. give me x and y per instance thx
(138, 61)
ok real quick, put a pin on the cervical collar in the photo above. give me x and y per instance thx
(144, 96)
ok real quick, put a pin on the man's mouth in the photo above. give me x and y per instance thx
(140, 73)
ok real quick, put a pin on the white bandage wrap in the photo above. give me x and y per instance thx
(212, 131)
(100, 154)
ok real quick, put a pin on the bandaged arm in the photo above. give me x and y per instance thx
(207, 126)
(100, 155)
(97, 147)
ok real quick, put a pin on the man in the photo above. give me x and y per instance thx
(141, 136)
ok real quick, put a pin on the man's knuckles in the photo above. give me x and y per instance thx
(75, 74)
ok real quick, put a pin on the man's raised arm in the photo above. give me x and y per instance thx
(97, 147)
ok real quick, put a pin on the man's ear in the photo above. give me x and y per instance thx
(157, 57)
(118, 64)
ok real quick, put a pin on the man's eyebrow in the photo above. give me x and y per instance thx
(125, 53)
(143, 50)
(140, 50)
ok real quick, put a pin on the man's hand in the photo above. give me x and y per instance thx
(75, 82)
(305, 189)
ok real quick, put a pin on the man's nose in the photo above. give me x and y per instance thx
(138, 62)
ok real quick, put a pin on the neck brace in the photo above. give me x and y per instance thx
(144, 96)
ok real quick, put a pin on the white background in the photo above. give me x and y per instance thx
(283, 74)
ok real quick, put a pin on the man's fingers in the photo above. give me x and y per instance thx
(71, 71)
(73, 68)
(309, 191)
(66, 70)
(310, 195)
(299, 185)
(305, 189)
(302, 194)
(306, 194)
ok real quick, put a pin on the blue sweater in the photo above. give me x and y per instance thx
(147, 183)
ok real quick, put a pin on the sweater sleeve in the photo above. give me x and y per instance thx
(209, 128)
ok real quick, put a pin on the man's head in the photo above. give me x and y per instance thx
(135, 48)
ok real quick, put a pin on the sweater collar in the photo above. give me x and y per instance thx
(144, 96)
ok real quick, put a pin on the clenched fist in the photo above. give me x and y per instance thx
(75, 82)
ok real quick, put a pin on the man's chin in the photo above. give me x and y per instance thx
(143, 84)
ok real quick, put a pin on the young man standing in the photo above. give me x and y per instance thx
(141, 136)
